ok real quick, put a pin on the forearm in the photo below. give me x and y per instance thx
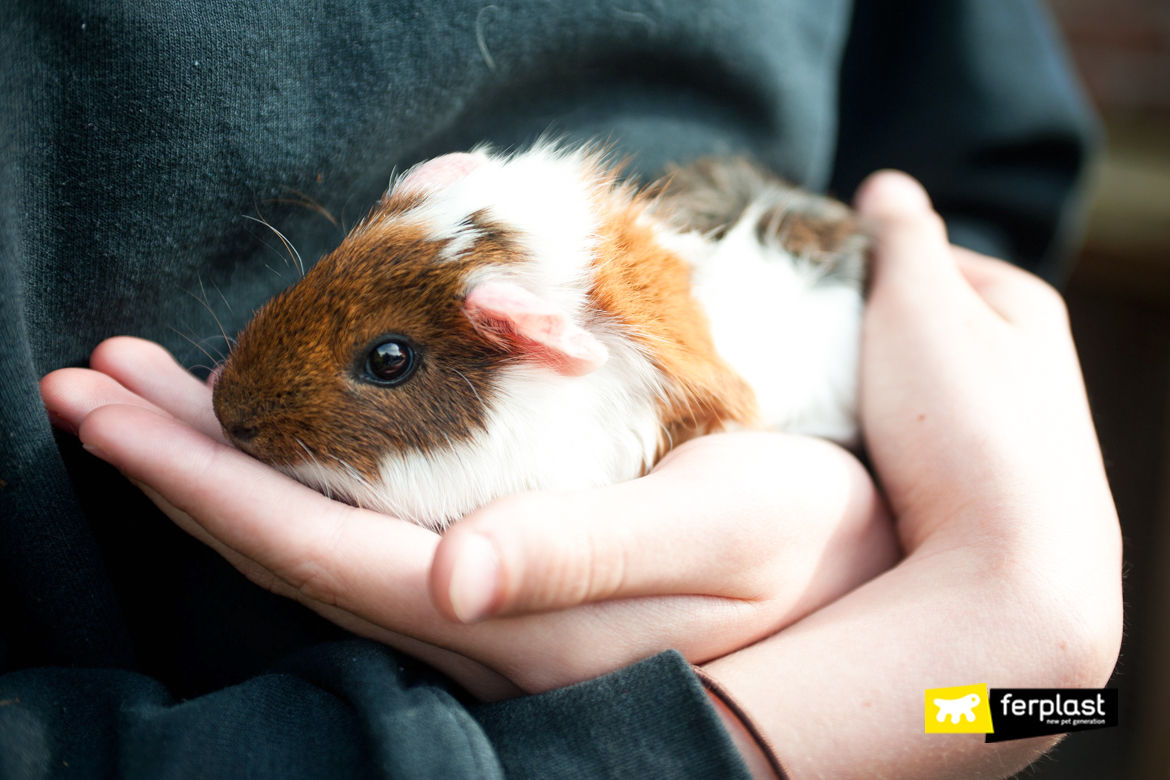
(840, 694)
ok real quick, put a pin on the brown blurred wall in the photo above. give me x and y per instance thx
(1122, 49)
(1119, 304)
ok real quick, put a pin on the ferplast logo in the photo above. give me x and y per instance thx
(1035, 712)
(962, 709)
(1018, 713)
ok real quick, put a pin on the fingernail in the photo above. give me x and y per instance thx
(894, 189)
(907, 193)
(57, 421)
(475, 579)
(93, 449)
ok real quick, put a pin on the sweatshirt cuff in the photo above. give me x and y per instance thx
(722, 694)
(652, 719)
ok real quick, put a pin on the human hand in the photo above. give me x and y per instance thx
(796, 522)
(972, 401)
(976, 420)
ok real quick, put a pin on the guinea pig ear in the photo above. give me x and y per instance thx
(519, 320)
(439, 172)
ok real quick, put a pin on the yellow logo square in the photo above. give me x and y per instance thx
(963, 709)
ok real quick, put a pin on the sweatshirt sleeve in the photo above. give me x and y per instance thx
(652, 719)
(977, 99)
(357, 710)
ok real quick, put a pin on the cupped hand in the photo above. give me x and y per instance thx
(972, 397)
(733, 537)
(977, 424)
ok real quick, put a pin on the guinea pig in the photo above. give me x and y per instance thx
(505, 323)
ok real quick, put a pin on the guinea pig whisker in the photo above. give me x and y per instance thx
(349, 469)
(322, 472)
(308, 203)
(300, 264)
(275, 251)
(284, 258)
(468, 381)
(357, 477)
(210, 311)
(197, 346)
(208, 340)
(345, 207)
(221, 295)
(479, 38)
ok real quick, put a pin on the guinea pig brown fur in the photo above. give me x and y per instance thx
(528, 322)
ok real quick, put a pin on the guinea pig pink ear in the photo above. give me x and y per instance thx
(510, 315)
(439, 172)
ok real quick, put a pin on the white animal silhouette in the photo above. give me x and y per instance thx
(956, 707)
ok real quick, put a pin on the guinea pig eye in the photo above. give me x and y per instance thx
(390, 361)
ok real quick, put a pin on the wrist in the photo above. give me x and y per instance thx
(757, 753)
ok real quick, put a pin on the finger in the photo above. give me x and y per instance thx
(710, 521)
(911, 249)
(1014, 294)
(370, 578)
(325, 550)
(147, 369)
(69, 394)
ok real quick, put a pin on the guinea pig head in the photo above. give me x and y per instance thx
(377, 377)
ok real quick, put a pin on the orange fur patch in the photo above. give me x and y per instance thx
(647, 288)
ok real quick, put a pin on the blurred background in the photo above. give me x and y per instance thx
(1119, 301)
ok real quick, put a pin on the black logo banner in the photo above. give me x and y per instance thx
(1018, 713)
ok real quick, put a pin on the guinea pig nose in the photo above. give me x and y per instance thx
(243, 432)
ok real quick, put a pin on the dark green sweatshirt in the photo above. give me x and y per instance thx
(135, 139)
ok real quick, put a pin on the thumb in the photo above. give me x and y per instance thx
(714, 519)
(529, 552)
(536, 552)
(663, 534)
(910, 238)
